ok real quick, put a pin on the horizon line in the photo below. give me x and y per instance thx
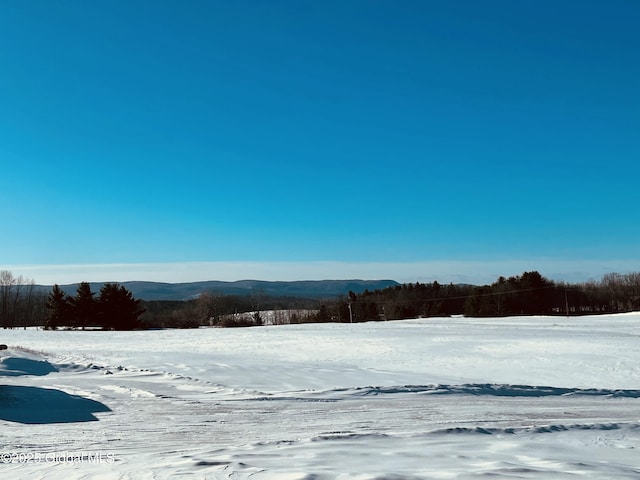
(442, 270)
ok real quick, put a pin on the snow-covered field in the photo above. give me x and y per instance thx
(531, 397)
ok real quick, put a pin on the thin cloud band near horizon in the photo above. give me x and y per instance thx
(443, 271)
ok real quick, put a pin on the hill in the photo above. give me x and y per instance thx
(186, 291)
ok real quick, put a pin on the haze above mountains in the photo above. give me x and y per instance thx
(185, 291)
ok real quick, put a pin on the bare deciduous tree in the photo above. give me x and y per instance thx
(7, 285)
(16, 299)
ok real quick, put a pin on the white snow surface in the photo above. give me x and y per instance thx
(437, 398)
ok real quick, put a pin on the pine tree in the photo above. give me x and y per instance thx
(58, 305)
(84, 305)
(118, 309)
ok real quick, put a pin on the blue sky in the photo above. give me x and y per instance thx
(261, 135)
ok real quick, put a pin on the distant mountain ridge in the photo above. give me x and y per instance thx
(186, 291)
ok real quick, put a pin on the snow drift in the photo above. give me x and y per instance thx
(532, 397)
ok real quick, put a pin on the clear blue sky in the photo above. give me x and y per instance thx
(357, 132)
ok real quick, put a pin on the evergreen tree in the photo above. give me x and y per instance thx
(84, 305)
(58, 306)
(118, 309)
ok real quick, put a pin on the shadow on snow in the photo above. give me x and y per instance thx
(17, 366)
(35, 405)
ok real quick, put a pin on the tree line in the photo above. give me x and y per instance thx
(20, 303)
(114, 308)
(526, 294)
(215, 309)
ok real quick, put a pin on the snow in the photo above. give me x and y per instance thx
(438, 398)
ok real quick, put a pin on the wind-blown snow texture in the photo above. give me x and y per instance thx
(530, 397)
